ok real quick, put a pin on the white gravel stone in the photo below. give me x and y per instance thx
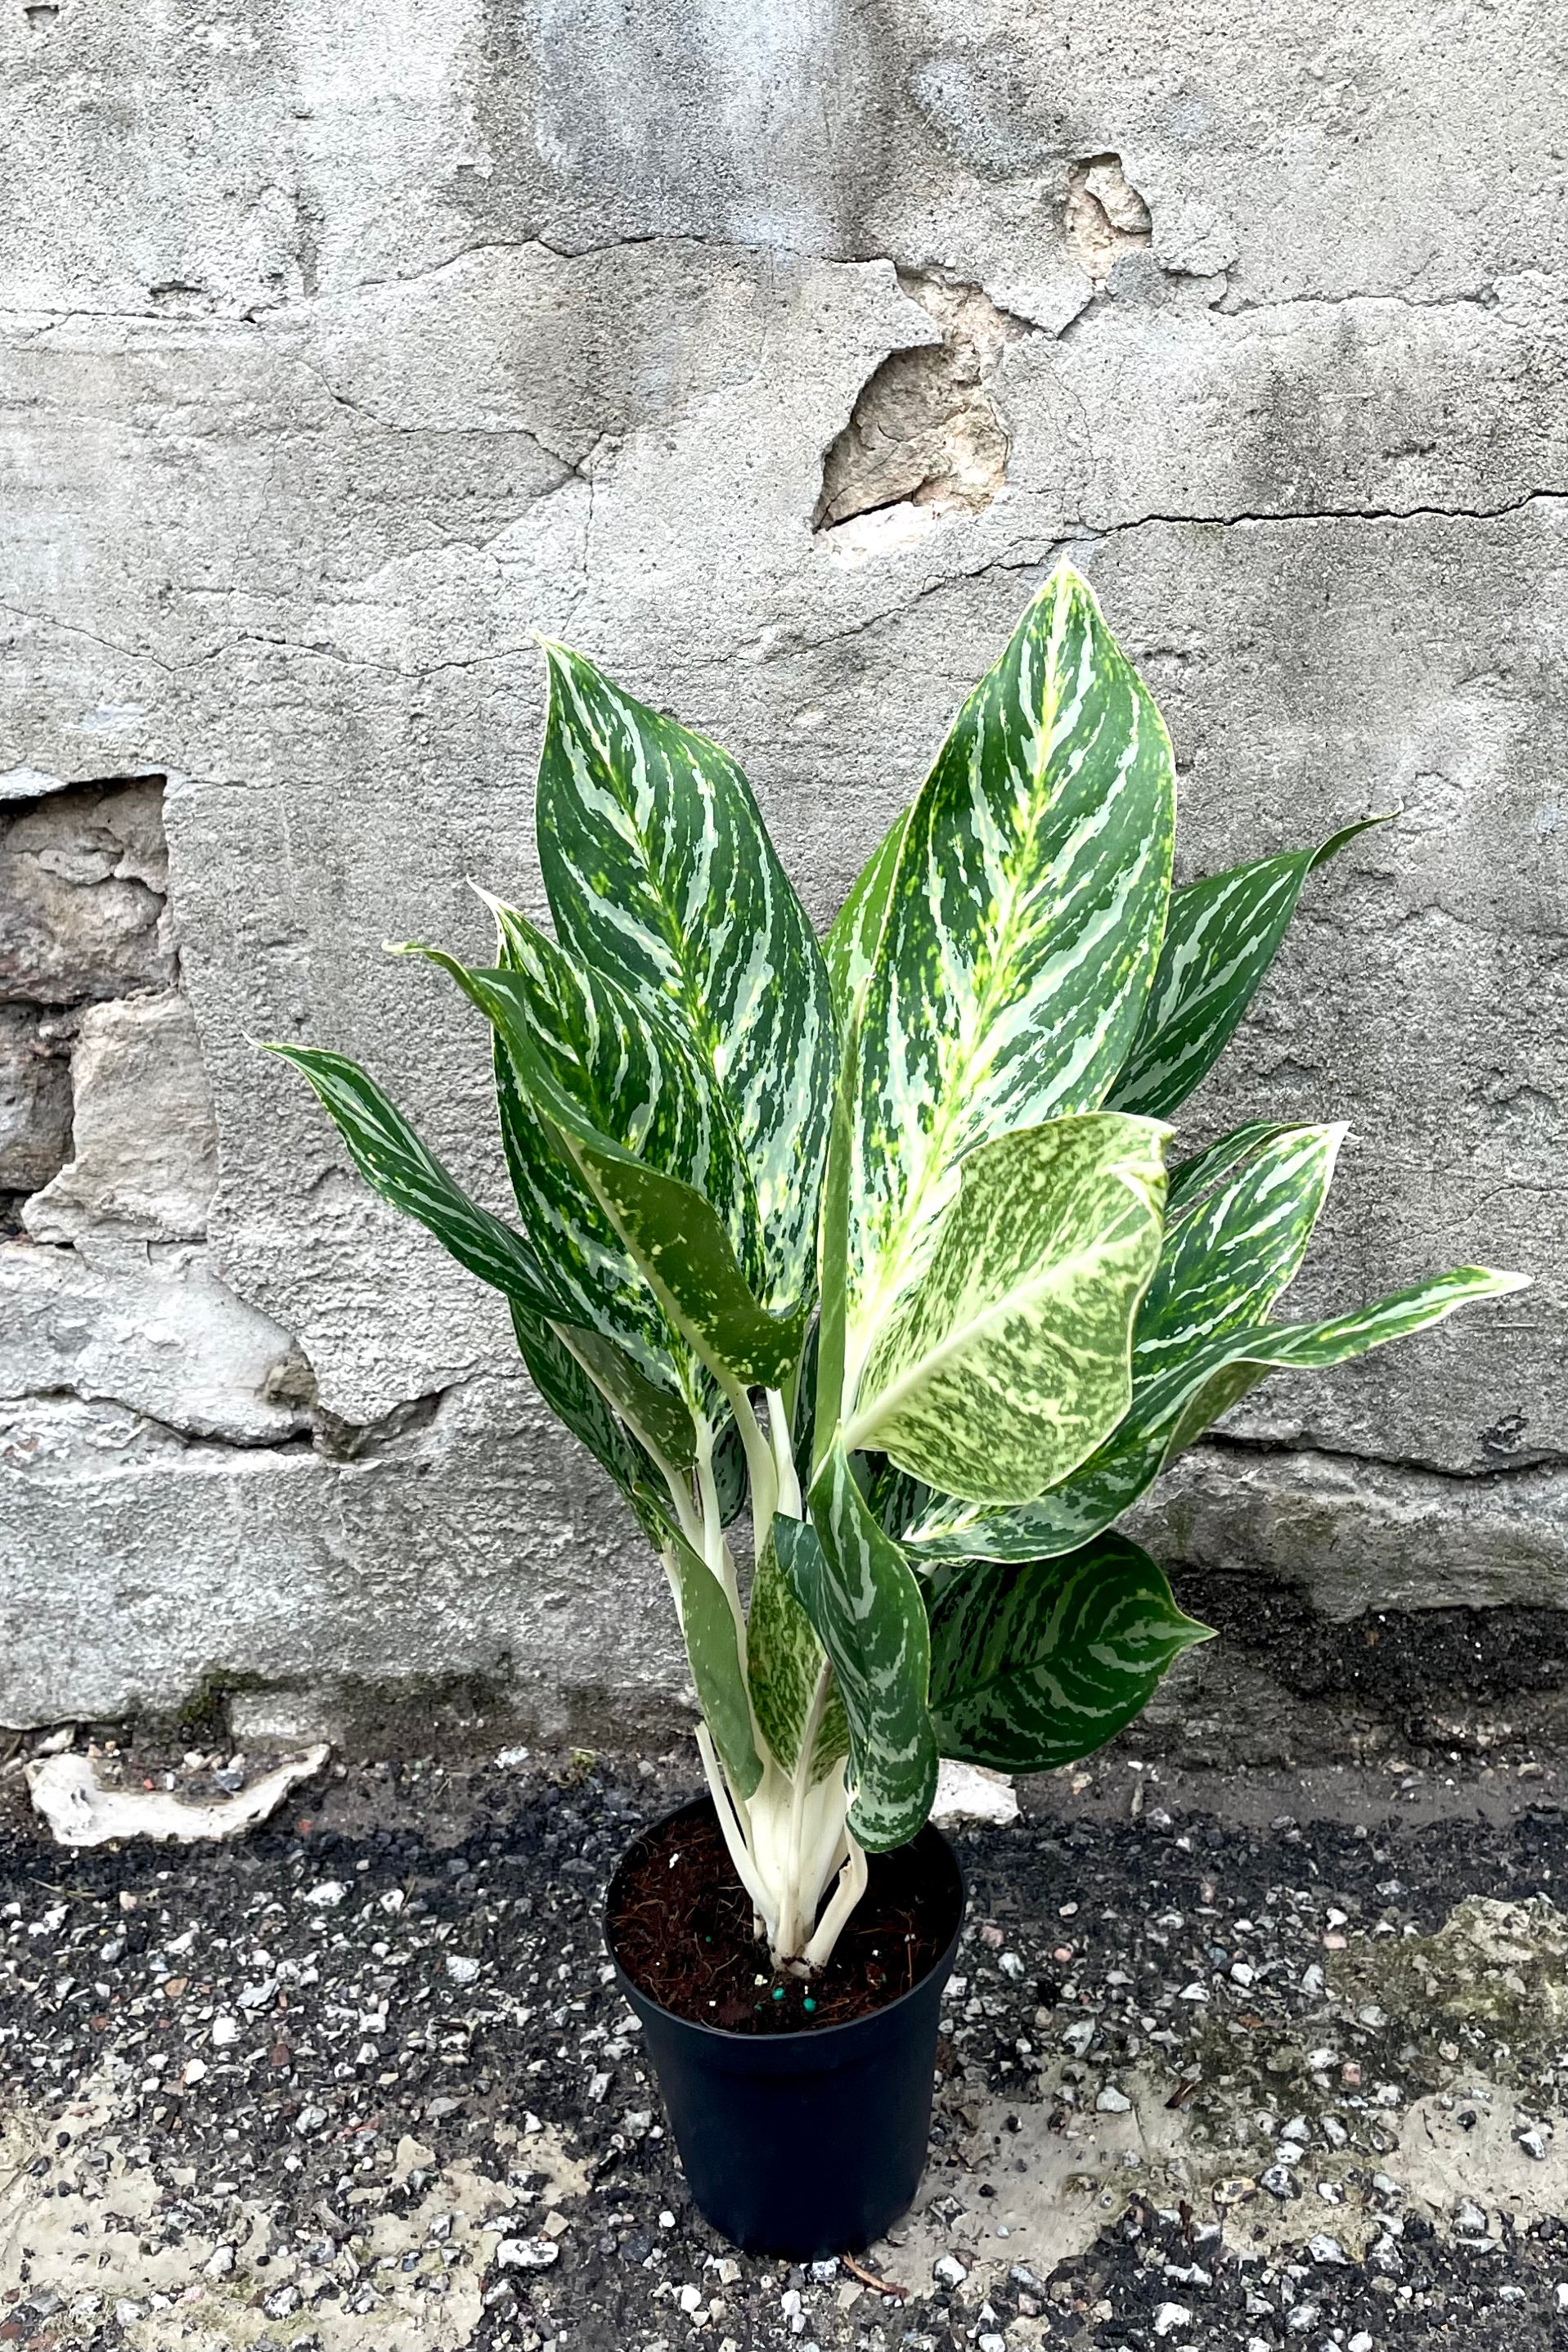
(970, 1792)
(528, 2253)
(1171, 2315)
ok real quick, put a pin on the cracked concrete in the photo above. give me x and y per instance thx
(386, 354)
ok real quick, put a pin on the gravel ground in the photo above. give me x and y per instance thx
(1210, 2077)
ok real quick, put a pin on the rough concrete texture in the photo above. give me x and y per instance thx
(340, 356)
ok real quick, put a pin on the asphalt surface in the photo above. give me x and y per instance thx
(1226, 2062)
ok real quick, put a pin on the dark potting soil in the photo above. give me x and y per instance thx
(681, 1927)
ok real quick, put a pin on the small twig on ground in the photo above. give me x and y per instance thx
(868, 2278)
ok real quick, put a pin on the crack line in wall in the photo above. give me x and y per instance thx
(1545, 1466)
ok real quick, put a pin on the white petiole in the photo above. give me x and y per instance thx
(790, 1836)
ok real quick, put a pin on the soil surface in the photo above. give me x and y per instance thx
(680, 1924)
(1228, 2062)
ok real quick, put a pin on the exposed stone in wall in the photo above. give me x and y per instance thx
(1105, 217)
(926, 437)
(35, 1100)
(144, 1143)
(109, 1147)
(84, 878)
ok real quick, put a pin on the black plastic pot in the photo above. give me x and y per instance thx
(803, 2144)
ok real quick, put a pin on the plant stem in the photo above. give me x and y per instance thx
(789, 1484)
(852, 1885)
(759, 1460)
(726, 1805)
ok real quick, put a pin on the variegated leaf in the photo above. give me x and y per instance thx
(713, 1647)
(1190, 1179)
(851, 946)
(1236, 1246)
(660, 1421)
(1023, 924)
(791, 1682)
(1037, 1663)
(589, 1262)
(621, 1095)
(576, 1401)
(1242, 1358)
(866, 1609)
(1173, 1407)
(1220, 938)
(395, 1164)
(660, 874)
(729, 1473)
(828, 1387)
(1006, 1364)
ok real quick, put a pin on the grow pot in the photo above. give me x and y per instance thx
(809, 2142)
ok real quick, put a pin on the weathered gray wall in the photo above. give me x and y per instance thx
(343, 349)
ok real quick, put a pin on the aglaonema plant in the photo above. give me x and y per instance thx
(885, 1235)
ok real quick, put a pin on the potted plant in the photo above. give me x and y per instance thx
(885, 1240)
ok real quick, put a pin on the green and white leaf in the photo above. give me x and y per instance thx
(574, 1400)
(1239, 1359)
(1190, 1179)
(788, 1673)
(713, 1647)
(1173, 1407)
(1004, 1365)
(596, 1272)
(659, 1420)
(1022, 929)
(1220, 938)
(661, 876)
(1036, 1663)
(851, 946)
(867, 1610)
(395, 1164)
(622, 1097)
(1232, 1249)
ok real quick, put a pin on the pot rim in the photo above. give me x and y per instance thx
(822, 2037)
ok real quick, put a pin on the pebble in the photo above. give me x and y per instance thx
(528, 2253)
(1112, 2102)
(1326, 2250)
(948, 2271)
(1279, 2182)
(1171, 2315)
(1533, 2143)
(460, 1970)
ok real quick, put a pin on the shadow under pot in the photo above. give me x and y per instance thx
(800, 2135)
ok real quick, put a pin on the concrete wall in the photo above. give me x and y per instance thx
(771, 354)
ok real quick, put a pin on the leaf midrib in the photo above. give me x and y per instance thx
(955, 1096)
(963, 1335)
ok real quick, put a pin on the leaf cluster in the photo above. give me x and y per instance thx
(886, 1235)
